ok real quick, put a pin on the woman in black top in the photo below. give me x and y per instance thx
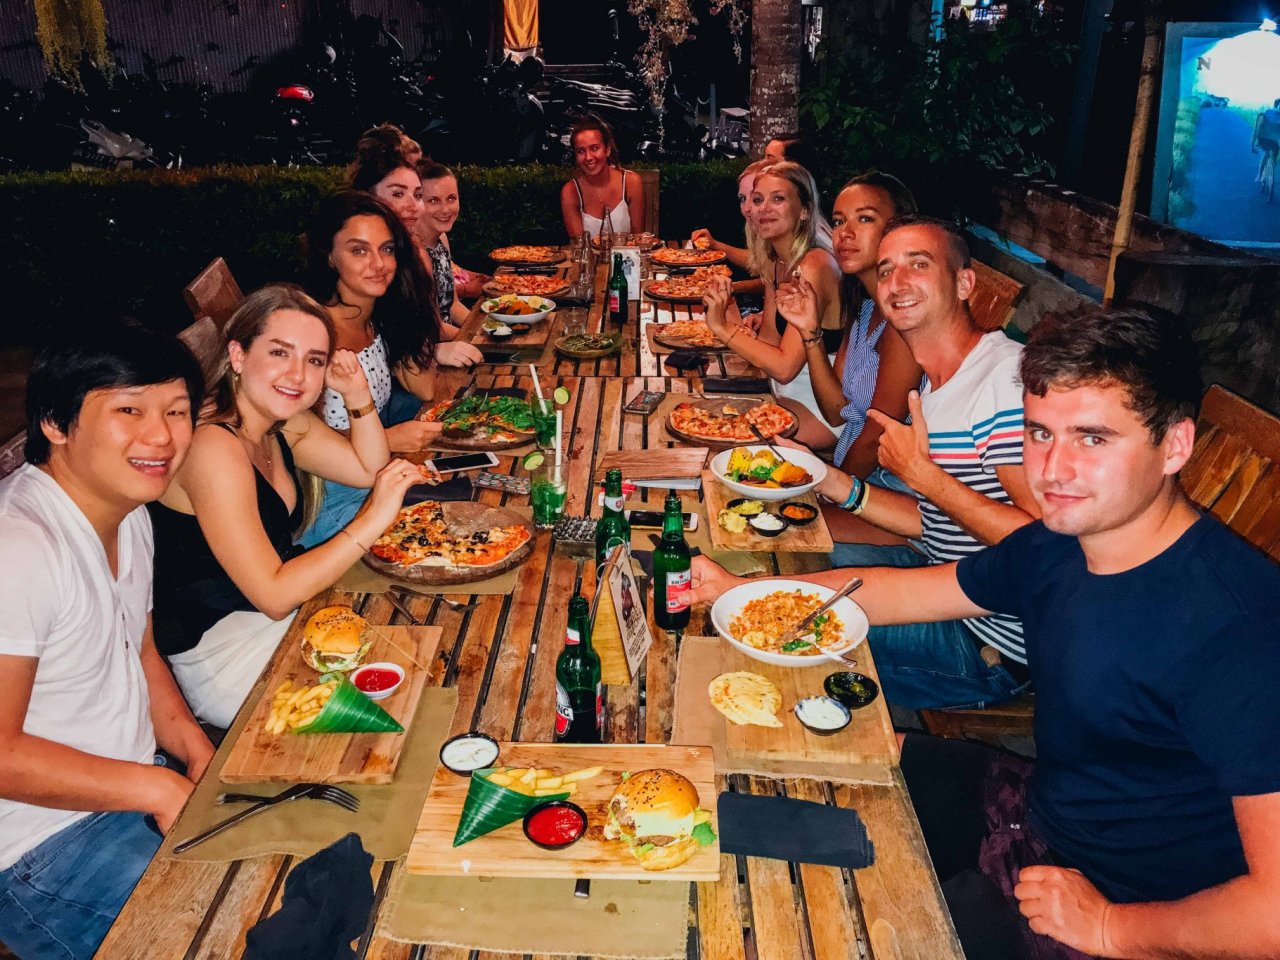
(228, 578)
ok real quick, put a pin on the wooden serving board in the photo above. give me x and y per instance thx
(811, 538)
(675, 463)
(259, 757)
(463, 517)
(506, 852)
(494, 290)
(863, 741)
(661, 346)
(666, 258)
(523, 334)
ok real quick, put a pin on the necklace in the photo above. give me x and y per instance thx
(260, 451)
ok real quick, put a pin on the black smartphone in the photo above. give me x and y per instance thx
(652, 520)
(463, 461)
(644, 402)
(499, 356)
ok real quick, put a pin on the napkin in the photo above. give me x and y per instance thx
(735, 385)
(798, 831)
(685, 360)
(326, 905)
(455, 488)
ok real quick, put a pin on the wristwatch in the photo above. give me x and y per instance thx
(358, 412)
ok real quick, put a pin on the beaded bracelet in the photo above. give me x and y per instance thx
(855, 493)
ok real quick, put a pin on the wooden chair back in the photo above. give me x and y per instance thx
(205, 341)
(214, 293)
(994, 297)
(11, 454)
(651, 186)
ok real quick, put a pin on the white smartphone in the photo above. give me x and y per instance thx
(463, 462)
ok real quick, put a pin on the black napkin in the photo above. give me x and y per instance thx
(520, 393)
(455, 488)
(735, 385)
(682, 360)
(795, 830)
(326, 905)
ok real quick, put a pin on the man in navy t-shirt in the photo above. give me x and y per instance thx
(1152, 821)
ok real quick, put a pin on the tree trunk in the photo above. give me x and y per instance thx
(775, 69)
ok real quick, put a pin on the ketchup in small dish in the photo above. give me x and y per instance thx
(378, 680)
(555, 825)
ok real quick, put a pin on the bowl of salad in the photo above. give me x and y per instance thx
(757, 472)
(513, 309)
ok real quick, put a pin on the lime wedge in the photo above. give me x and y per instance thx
(534, 460)
(561, 396)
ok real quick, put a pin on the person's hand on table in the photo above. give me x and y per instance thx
(199, 756)
(345, 376)
(798, 304)
(169, 794)
(708, 241)
(413, 436)
(709, 580)
(1061, 903)
(904, 448)
(456, 353)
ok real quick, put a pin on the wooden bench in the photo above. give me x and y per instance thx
(204, 339)
(11, 454)
(994, 297)
(214, 293)
(1234, 473)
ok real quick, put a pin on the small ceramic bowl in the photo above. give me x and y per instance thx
(468, 752)
(809, 510)
(764, 531)
(501, 333)
(852, 689)
(734, 504)
(805, 709)
(370, 679)
(568, 817)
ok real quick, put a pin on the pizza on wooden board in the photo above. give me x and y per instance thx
(421, 535)
(526, 253)
(689, 287)
(693, 333)
(686, 258)
(492, 418)
(526, 285)
(731, 423)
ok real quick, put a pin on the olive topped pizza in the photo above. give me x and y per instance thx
(421, 536)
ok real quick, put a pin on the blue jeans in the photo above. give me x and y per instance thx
(926, 665)
(341, 502)
(58, 901)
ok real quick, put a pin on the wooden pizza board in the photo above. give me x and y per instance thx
(863, 741)
(463, 517)
(506, 852)
(493, 290)
(556, 257)
(647, 288)
(811, 538)
(259, 757)
(481, 443)
(675, 463)
(660, 346)
(656, 257)
(718, 404)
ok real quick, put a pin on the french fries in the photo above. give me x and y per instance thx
(536, 782)
(296, 706)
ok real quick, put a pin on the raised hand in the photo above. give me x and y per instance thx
(904, 449)
(798, 304)
(716, 300)
(389, 488)
(703, 240)
(345, 376)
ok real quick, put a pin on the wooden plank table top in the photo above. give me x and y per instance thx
(500, 657)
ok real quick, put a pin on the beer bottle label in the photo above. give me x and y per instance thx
(678, 584)
(572, 637)
(599, 706)
(615, 301)
(564, 711)
(613, 503)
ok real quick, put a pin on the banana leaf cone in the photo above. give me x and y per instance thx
(489, 806)
(350, 711)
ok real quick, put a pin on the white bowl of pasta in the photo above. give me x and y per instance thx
(754, 615)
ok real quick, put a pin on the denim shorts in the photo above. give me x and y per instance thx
(59, 899)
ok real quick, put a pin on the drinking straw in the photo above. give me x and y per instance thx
(537, 387)
(559, 429)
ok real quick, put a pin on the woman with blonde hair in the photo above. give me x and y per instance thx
(786, 236)
(228, 577)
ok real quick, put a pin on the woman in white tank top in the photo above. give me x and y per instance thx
(600, 188)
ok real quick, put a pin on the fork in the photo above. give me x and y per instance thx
(397, 599)
(310, 791)
(761, 437)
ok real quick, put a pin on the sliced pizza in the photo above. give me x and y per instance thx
(421, 536)
(730, 423)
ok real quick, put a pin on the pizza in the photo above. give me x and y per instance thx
(525, 285)
(693, 333)
(689, 287)
(420, 536)
(645, 241)
(686, 258)
(731, 423)
(498, 419)
(525, 253)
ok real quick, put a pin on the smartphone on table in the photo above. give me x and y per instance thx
(462, 462)
(652, 520)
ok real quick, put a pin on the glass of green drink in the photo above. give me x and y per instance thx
(544, 422)
(546, 495)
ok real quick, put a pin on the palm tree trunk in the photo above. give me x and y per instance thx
(775, 69)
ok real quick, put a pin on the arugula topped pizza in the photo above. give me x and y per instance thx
(421, 536)
(477, 417)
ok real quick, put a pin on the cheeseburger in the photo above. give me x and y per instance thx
(656, 813)
(332, 639)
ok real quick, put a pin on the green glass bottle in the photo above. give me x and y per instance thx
(613, 528)
(618, 292)
(672, 575)
(579, 708)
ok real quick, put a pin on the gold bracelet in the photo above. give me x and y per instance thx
(355, 413)
(349, 536)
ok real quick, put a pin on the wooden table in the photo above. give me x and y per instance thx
(502, 663)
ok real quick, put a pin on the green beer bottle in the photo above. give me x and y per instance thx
(579, 711)
(618, 292)
(613, 528)
(671, 570)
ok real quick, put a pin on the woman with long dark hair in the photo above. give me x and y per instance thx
(600, 189)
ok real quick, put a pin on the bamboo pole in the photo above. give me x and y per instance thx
(1153, 23)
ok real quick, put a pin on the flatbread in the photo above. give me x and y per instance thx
(746, 698)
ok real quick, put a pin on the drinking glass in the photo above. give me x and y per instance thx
(546, 496)
(544, 422)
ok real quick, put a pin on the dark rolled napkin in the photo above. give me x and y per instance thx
(735, 385)
(685, 360)
(455, 488)
(798, 831)
(326, 905)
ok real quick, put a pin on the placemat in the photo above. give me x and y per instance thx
(696, 721)
(737, 563)
(621, 918)
(386, 820)
(362, 578)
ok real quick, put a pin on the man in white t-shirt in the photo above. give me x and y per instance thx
(87, 696)
(955, 483)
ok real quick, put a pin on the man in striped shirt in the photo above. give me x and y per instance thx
(960, 463)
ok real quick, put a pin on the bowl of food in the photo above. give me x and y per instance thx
(852, 689)
(760, 474)
(377, 681)
(823, 715)
(513, 308)
(555, 825)
(767, 524)
(754, 616)
(496, 329)
(799, 514)
(468, 752)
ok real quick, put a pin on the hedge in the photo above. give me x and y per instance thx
(83, 247)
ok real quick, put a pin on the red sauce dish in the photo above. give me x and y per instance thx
(378, 680)
(555, 825)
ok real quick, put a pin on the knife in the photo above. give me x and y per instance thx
(800, 628)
